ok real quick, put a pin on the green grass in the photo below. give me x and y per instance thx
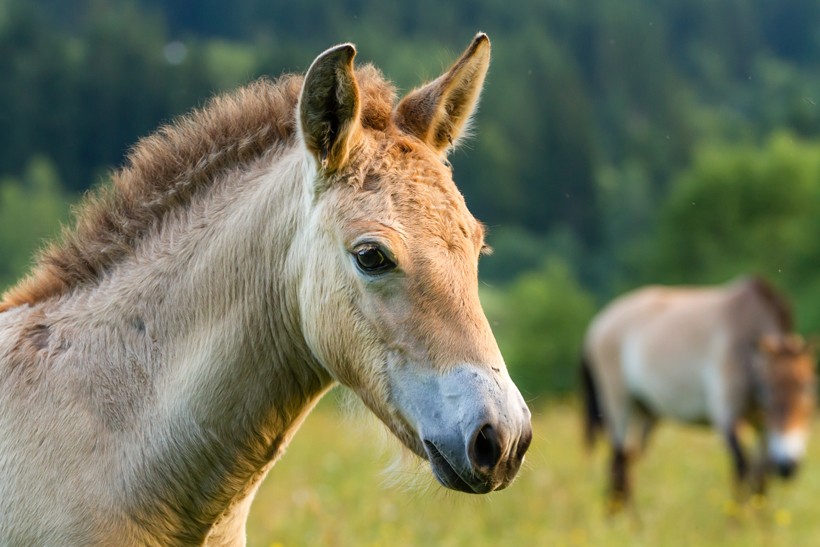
(331, 488)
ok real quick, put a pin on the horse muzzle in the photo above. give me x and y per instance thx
(487, 462)
(472, 422)
(786, 469)
(786, 450)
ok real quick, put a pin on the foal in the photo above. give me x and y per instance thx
(289, 236)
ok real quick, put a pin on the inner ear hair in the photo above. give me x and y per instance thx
(329, 107)
(439, 112)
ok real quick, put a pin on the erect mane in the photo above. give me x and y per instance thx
(775, 300)
(163, 171)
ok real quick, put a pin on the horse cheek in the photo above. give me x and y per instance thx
(328, 322)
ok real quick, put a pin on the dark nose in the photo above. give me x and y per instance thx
(786, 468)
(486, 449)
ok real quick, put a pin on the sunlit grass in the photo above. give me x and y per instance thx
(330, 488)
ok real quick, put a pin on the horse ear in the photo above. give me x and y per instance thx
(439, 112)
(769, 344)
(329, 107)
(795, 344)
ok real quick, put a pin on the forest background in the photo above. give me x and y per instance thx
(618, 143)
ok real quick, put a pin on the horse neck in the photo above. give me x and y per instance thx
(230, 375)
(749, 317)
(751, 313)
(232, 295)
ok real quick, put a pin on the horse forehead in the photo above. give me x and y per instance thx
(411, 171)
(791, 367)
(415, 190)
(804, 367)
(436, 214)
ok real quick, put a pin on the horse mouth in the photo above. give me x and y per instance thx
(449, 477)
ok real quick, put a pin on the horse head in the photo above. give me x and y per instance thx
(789, 398)
(389, 269)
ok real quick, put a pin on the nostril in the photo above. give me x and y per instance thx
(786, 468)
(524, 443)
(485, 450)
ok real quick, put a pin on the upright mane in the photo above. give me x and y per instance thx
(775, 300)
(164, 170)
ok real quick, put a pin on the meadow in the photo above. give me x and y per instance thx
(336, 486)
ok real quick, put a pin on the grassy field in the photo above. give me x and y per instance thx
(331, 488)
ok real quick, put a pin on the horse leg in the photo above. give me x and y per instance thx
(645, 420)
(619, 493)
(757, 478)
(617, 415)
(759, 468)
(740, 463)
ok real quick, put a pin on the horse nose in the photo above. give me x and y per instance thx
(524, 443)
(786, 468)
(486, 450)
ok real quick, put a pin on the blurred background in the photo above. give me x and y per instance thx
(617, 144)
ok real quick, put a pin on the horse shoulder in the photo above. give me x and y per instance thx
(619, 320)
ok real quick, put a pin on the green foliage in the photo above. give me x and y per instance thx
(746, 209)
(82, 97)
(229, 63)
(515, 250)
(539, 321)
(575, 88)
(30, 211)
(591, 116)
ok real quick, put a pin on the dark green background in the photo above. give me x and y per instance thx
(617, 144)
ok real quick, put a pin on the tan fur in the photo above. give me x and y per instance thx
(161, 355)
(164, 171)
(719, 355)
(790, 372)
(439, 112)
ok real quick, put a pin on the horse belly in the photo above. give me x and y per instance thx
(675, 389)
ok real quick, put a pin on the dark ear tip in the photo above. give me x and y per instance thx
(480, 39)
(345, 51)
(338, 55)
(478, 48)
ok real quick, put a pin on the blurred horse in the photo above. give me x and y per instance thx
(286, 237)
(720, 355)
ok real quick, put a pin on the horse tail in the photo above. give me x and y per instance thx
(593, 419)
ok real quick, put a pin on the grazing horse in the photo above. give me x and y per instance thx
(286, 237)
(719, 355)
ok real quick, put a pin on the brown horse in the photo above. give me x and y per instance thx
(288, 236)
(720, 355)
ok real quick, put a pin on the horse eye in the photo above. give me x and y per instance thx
(373, 260)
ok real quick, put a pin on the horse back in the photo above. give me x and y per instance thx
(676, 349)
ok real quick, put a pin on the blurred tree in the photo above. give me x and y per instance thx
(539, 321)
(576, 88)
(591, 111)
(83, 96)
(746, 209)
(30, 211)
